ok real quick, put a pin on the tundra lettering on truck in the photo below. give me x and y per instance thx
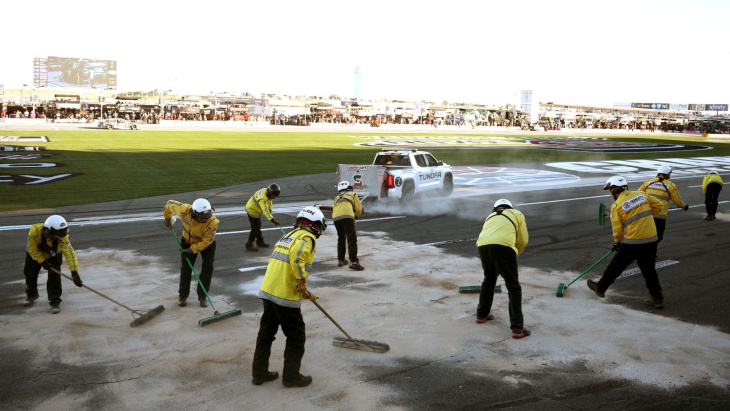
(399, 175)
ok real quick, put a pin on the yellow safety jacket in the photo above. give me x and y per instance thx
(41, 247)
(709, 179)
(198, 235)
(510, 231)
(260, 204)
(346, 205)
(664, 190)
(290, 261)
(631, 217)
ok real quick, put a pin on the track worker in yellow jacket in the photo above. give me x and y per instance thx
(259, 205)
(198, 237)
(711, 186)
(346, 208)
(635, 238)
(284, 284)
(503, 238)
(661, 188)
(47, 244)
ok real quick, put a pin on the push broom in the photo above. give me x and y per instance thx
(142, 316)
(349, 342)
(216, 315)
(562, 286)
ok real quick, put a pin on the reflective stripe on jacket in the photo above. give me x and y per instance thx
(664, 190)
(260, 204)
(42, 247)
(631, 217)
(290, 261)
(346, 206)
(710, 179)
(199, 235)
(510, 231)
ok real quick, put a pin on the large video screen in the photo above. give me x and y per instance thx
(74, 72)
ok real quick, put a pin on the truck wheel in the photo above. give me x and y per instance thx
(448, 187)
(408, 191)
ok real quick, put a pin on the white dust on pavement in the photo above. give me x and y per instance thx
(407, 297)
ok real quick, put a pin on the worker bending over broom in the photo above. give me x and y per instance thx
(284, 285)
(198, 237)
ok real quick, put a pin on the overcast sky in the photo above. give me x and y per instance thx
(570, 52)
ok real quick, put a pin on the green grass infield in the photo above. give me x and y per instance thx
(119, 165)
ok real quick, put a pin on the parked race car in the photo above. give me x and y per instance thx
(118, 123)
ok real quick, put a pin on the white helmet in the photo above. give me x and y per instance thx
(312, 218)
(57, 225)
(202, 209)
(664, 169)
(502, 202)
(343, 185)
(713, 172)
(617, 182)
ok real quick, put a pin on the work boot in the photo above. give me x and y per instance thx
(594, 287)
(356, 266)
(251, 247)
(300, 381)
(269, 376)
(655, 303)
(261, 244)
(29, 300)
(203, 302)
(55, 308)
(182, 302)
(708, 218)
(520, 332)
(342, 263)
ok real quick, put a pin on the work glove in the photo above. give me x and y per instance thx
(168, 222)
(187, 252)
(47, 264)
(274, 222)
(616, 246)
(76, 279)
(306, 294)
(686, 207)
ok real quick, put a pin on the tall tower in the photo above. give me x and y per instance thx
(357, 73)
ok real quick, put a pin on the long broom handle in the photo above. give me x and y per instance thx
(333, 320)
(590, 268)
(194, 272)
(92, 290)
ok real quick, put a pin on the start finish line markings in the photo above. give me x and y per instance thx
(660, 264)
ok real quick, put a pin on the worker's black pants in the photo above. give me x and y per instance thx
(206, 274)
(645, 256)
(712, 194)
(660, 224)
(500, 260)
(346, 236)
(292, 325)
(32, 268)
(255, 234)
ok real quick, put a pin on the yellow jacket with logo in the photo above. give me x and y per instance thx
(42, 247)
(198, 235)
(664, 190)
(710, 178)
(631, 217)
(510, 231)
(259, 204)
(290, 261)
(346, 205)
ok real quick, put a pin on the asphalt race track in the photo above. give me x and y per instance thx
(469, 372)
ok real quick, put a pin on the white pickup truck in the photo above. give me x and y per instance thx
(399, 174)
